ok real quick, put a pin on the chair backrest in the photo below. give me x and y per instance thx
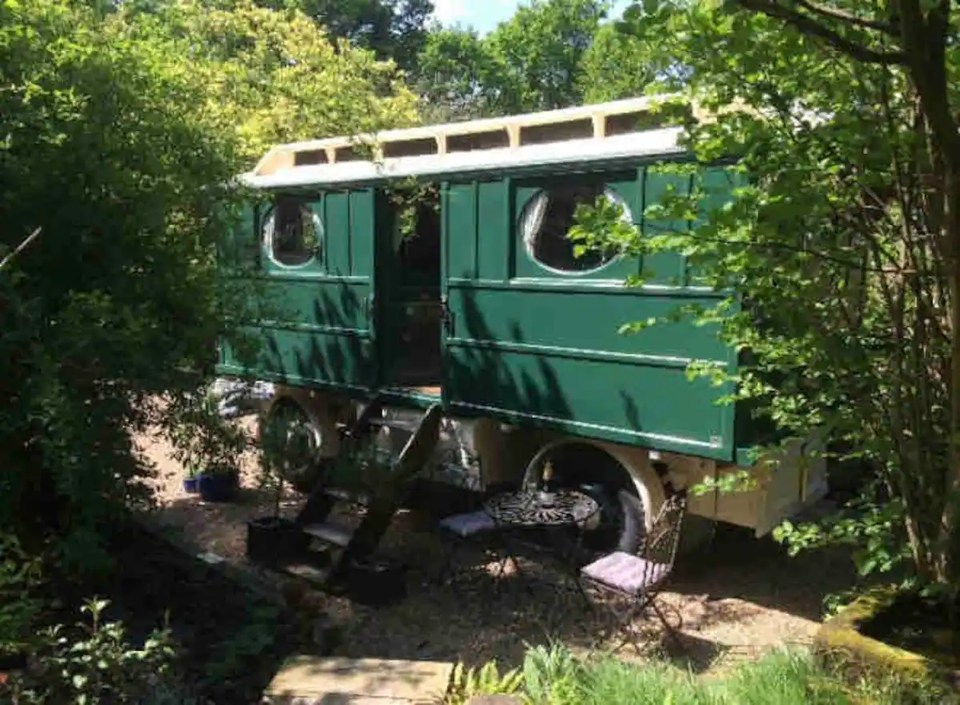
(663, 538)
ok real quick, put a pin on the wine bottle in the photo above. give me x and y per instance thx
(547, 486)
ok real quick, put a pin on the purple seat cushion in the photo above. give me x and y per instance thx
(626, 572)
(465, 525)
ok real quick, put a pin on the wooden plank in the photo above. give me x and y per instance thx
(310, 680)
(283, 156)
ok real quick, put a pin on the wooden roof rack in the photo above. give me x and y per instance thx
(596, 122)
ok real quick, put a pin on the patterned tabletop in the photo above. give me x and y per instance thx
(537, 508)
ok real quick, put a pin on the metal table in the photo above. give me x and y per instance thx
(557, 513)
(535, 508)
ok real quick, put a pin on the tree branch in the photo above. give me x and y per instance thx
(20, 248)
(834, 13)
(807, 25)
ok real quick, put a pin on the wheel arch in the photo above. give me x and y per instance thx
(639, 474)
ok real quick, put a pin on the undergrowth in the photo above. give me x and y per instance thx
(553, 676)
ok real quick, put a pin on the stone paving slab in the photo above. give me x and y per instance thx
(326, 680)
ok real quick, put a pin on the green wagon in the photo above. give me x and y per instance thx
(484, 309)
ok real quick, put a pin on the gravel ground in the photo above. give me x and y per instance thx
(738, 597)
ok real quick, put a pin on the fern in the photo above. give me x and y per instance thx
(551, 676)
(487, 680)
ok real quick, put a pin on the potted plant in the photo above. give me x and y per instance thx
(273, 538)
(207, 446)
(218, 483)
(191, 481)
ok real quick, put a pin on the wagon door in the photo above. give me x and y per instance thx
(532, 330)
(315, 280)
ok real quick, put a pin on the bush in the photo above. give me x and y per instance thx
(19, 607)
(123, 127)
(202, 440)
(466, 683)
(92, 663)
(119, 299)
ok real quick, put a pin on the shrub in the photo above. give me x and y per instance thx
(203, 441)
(92, 663)
(19, 576)
(551, 675)
(123, 128)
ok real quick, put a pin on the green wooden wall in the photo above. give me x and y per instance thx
(529, 343)
(317, 327)
(525, 344)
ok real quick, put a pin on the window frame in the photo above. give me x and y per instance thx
(308, 204)
(526, 239)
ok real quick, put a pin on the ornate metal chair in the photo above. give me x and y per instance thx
(628, 585)
(477, 528)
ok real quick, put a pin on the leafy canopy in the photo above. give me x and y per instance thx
(392, 29)
(543, 57)
(276, 76)
(121, 132)
(837, 244)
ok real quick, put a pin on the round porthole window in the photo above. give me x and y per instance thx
(547, 218)
(292, 233)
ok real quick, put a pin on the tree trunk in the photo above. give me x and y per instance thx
(949, 563)
(923, 34)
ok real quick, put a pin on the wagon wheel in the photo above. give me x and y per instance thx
(289, 435)
(622, 518)
(621, 522)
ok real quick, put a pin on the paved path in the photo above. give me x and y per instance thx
(321, 680)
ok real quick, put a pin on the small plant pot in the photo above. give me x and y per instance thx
(218, 486)
(274, 539)
(190, 485)
(376, 582)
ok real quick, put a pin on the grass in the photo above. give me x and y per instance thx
(553, 676)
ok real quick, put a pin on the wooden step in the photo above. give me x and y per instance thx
(343, 495)
(408, 425)
(305, 571)
(330, 533)
(330, 680)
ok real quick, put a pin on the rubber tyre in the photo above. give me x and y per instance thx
(303, 478)
(634, 529)
(623, 516)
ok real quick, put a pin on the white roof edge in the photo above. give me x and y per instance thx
(651, 143)
(625, 105)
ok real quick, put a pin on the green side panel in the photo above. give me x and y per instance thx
(716, 186)
(362, 218)
(582, 320)
(337, 229)
(494, 230)
(593, 398)
(554, 354)
(460, 209)
(317, 321)
(667, 268)
(543, 347)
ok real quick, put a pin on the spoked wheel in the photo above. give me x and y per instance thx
(290, 439)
